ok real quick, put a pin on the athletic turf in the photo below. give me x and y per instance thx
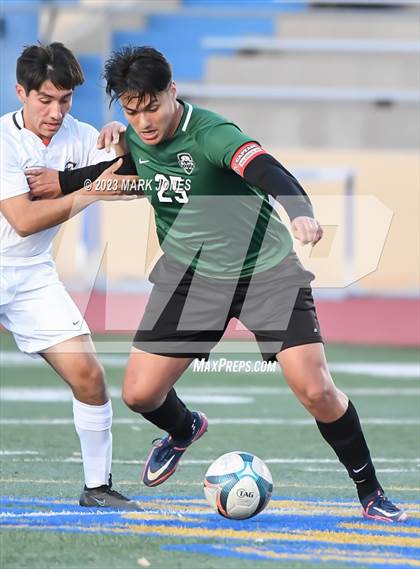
(312, 520)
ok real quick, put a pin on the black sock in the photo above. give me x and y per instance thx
(346, 438)
(172, 416)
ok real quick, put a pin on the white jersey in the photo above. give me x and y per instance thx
(73, 146)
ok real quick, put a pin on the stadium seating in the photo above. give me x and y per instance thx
(179, 37)
(352, 81)
(247, 5)
(364, 99)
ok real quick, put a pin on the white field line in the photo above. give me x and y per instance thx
(98, 512)
(17, 452)
(383, 391)
(180, 483)
(196, 462)
(265, 390)
(217, 421)
(379, 369)
(205, 463)
(306, 422)
(281, 460)
(214, 396)
(59, 395)
(200, 509)
(381, 470)
(391, 370)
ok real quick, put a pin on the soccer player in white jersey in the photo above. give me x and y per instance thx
(34, 304)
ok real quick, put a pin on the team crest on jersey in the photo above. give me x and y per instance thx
(185, 160)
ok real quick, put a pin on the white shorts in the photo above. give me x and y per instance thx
(37, 309)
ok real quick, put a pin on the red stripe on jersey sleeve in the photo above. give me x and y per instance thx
(244, 155)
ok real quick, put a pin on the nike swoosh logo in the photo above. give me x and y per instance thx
(99, 502)
(357, 470)
(154, 475)
(143, 161)
(77, 322)
(384, 513)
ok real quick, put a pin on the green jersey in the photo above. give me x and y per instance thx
(206, 215)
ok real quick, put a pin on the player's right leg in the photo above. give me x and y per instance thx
(148, 390)
(306, 371)
(281, 311)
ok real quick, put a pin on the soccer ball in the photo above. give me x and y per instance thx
(238, 485)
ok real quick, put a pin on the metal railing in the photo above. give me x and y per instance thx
(310, 94)
(348, 45)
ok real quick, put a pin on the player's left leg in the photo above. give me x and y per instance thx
(306, 371)
(46, 322)
(75, 361)
(169, 337)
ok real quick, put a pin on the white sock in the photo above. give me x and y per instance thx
(93, 425)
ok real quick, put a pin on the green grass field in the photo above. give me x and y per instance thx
(313, 519)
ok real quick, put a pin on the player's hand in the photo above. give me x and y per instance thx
(43, 183)
(112, 133)
(111, 186)
(307, 230)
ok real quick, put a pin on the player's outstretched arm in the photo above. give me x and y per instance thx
(227, 147)
(27, 216)
(264, 171)
(45, 183)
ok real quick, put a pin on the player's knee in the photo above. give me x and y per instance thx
(93, 374)
(143, 400)
(89, 381)
(318, 395)
(140, 392)
(129, 398)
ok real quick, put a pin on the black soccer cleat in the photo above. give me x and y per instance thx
(167, 452)
(104, 497)
(377, 507)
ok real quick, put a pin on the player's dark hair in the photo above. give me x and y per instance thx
(137, 71)
(53, 62)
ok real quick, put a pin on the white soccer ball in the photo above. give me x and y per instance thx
(238, 485)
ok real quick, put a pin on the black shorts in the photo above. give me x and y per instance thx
(187, 314)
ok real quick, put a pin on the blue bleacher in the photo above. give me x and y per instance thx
(179, 37)
(19, 27)
(278, 5)
(89, 101)
(17, 30)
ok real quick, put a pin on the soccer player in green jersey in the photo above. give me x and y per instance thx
(226, 254)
